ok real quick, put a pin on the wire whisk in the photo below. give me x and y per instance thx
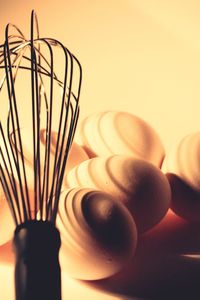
(40, 90)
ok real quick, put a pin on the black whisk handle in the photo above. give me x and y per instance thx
(37, 269)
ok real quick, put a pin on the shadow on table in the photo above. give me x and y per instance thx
(166, 264)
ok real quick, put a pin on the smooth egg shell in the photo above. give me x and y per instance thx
(141, 186)
(185, 200)
(98, 234)
(183, 160)
(111, 132)
(182, 167)
(76, 154)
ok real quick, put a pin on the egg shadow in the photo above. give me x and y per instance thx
(165, 265)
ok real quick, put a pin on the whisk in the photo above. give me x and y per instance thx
(33, 93)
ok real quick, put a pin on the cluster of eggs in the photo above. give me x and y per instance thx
(128, 194)
(118, 184)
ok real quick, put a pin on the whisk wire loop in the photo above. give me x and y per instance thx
(15, 124)
(48, 169)
(33, 157)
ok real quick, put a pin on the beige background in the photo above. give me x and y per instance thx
(138, 56)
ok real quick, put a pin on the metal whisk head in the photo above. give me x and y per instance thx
(39, 95)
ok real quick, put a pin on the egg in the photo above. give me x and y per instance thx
(98, 234)
(110, 132)
(141, 186)
(76, 154)
(183, 160)
(185, 200)
(182, 166)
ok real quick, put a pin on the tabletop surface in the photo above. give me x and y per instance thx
(166, 264)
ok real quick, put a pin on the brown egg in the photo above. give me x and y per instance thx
(110, 132)
(185, 200)
(76, 153)
(182, 166)
(141, 186)
(183, 160)
(98, 234)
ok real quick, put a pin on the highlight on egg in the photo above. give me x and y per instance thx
(141, 186)
(107, 133)
(98, 234)
(182, 167)
(183, 160)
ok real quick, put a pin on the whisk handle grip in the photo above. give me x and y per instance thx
(37, 269)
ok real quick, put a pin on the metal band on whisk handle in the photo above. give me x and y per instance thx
(32, 185)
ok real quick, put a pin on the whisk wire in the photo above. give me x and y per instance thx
(10, 176)
(8, 194)
(33, 163)
(15, 124)
(35, 121)
(49, 176)
(65, 105)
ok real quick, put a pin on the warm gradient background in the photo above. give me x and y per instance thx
(137, 56)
